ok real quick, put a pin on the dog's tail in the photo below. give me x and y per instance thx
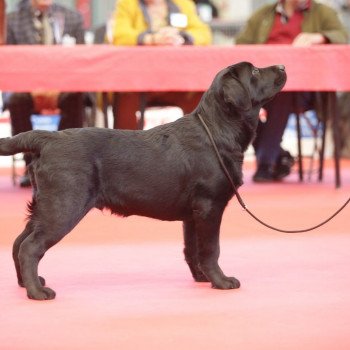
(30, 141)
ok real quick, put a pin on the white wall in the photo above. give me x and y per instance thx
(236, 10)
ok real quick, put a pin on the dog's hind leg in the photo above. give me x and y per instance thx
(31, 251)
(51, 220)
(191, 252)
(27, 231)
(16, 245)
(207, 218)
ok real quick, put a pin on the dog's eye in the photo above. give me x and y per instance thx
(255, 71)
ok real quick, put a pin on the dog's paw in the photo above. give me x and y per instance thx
(43, 293)
(227, 283)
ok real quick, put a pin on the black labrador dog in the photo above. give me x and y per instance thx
(170, 172)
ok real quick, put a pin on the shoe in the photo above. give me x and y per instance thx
(264, 173)
(24, 181)
(283, 165)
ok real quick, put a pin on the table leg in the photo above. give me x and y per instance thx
(143, 105)
(300, 152)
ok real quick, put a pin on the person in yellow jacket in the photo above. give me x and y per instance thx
(156, 22)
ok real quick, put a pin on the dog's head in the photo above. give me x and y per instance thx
(243, 87)
(236, 96)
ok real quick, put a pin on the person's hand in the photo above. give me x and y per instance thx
(168, 36)
(308, 39)
(263, 115)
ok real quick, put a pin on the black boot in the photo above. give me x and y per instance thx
(264, 173)
(284, 165)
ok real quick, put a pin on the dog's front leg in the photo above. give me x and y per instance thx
(191, 252)
(207, 219)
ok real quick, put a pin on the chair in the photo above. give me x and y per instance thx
(325, 106)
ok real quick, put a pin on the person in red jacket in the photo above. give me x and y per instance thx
(298, 23)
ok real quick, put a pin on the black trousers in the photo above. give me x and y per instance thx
(267, 144)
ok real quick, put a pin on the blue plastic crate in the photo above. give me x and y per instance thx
(45, 122)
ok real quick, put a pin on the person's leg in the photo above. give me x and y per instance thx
(72, 110)
(267, 144)
(21, 107)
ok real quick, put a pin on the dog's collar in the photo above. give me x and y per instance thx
(222, 164)
(237, 154)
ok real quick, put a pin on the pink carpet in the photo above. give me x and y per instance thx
(123, 283)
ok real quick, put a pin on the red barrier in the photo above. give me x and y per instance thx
(108, 68)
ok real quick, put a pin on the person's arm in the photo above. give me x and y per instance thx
(124, 32)
(247, 35)
(258, 27)
(10, 38)
(196, 32)
(78, 31)
(332, 28)
(321, 26)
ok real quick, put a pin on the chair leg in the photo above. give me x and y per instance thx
(323, 147)
(300, 153)
(143, 104)
(105, 108)
(333, 111)
(14, 175)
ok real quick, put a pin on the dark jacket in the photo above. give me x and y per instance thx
(318, 19)
(21, 29)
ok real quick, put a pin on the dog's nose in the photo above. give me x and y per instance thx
(281, 67)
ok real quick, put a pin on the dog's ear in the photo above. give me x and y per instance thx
(234, 93)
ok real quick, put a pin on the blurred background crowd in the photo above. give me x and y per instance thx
(226, 17)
